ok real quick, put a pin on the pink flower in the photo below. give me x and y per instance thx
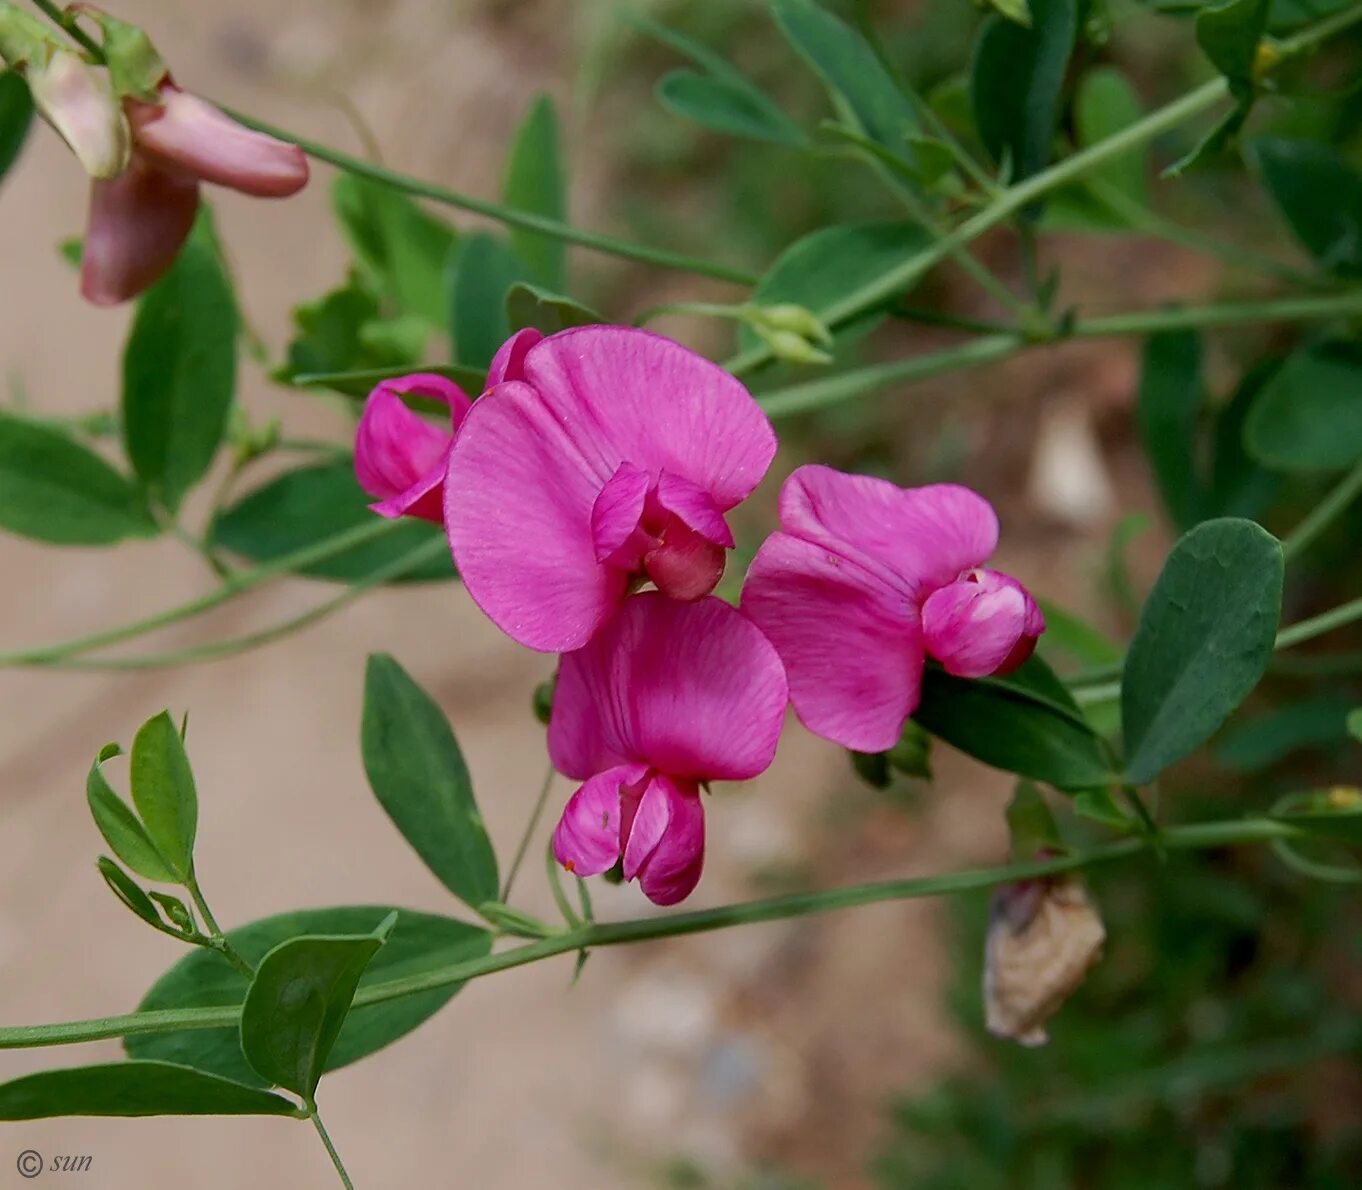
(140, 219)
(400, 457)
(667, 696)
(609, 458)
(867, 579)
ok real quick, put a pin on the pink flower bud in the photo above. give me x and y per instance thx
(189, 137)
(983, 623)
(78, 100)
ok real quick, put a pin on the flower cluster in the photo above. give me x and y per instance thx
(601, 460)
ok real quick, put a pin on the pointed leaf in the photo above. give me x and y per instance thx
(333, 334)
(1308, 416)
(720, 106)
(131, 894)
(420, 942)
(419, 777)
(121, 828)
(536, 183)
(1204, 639)
(529, 305)
(483, 272)
(1319, 194)
(134, 1089)
(163, 792)
(16, 117)
(298, 1001)
(1229, 35)
(56, 490)
(1170, 400)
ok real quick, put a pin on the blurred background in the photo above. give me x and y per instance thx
(1215, 1045)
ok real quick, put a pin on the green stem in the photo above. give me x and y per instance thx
(68, 23)
(316, 1119)
(1305, 630)
(218, 938)
(233, 646)
(236, 584)
(1288, 309)
(1349, 488)
(528, 833)
(525, 220)
(1197, 836)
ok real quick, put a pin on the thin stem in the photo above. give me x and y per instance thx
(528, 833)
(1305, 630)
(218, 938)
(236, 584)
(1196, 836)
(609, 245)
(234, 646)
(556, 887)
(1288, 309)
(68, 23)
(1348, 489)
(316, 1119)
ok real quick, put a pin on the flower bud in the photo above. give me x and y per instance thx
(791, 347)
(799, 320)
(1043, 936)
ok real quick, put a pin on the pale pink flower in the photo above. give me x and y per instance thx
(867, 579)
(607, 458)
(666, 697)
(400, 457)
(140, 219)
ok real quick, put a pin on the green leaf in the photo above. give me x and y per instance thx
(131, 894)
(1229, 35)
(164, 794)
(121, 828)
(1030, 825)
(483, 273)
(1016, 81)
(536, 183)
(16, 117)
(1068, 633)
(850, 70)
(1024, 724)
(722, 107)
(1109, 195)
(819, 270)
(179, 371)
(1204, 639)
(401, 248)
(529, 305)
(723, 98)
(1308, 416)
(1239, 486)
(419, 777)
(1169, 403)
(298, 1001)
(1319, 194)
(334, 335)
(1098, 805)
(1265, 740)
(134, 1089)
(306, 506)
(54, 489)
(420, 942)
(1217, 140)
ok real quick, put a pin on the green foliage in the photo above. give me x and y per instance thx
(1307, 416)
(310, 504)
(1204, 639)
(1170, 400)
(483, 273)
(529, 305)
(1319, 194)
(419, 777)
(1229, 35)
(121, 828)
(419, 942)
(53, 489)
(134, 1089)
(1111, 196)
(163, 793)
(536, 183)
(179, 371)
(16, 117)
(297, 1003)
(1255, 743)
(1016, 82)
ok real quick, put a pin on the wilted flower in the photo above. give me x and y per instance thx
(667, 696)
(78, 100)
(864, 581)
(400, 457)
(1043, 937)
(608, 458)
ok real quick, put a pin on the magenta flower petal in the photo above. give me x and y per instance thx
(691, 689)
(695, 507)
(138, 223)
(617, 513)
(851, 642)
(671, 869)
(587, 838)
(518, 501)
(509, 361)
(187, 135)
(685, 565)
(399, 456)
(984, 623)
(628, 394)
(915, 539)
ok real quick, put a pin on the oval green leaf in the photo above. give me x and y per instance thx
(297, 1003)
(121, 828)
(420, 942)
(419, 777)
(16, 117)
(135, 1089)
(1025, 724)
(1204, 639)
(1308, 415)
(54, 489)
(720, 106)
(303, 507)
(179, 371)
(164, 794)
(536, 183)
(482, 273)
(1319, 194)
